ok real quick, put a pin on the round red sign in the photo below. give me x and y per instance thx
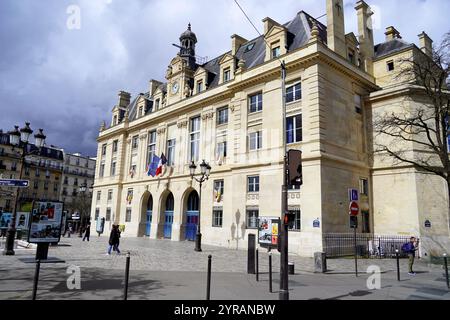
(354, 208)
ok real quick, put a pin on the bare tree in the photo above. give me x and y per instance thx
(417, 133)
(81, 204)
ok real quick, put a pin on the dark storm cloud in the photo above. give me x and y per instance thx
(66, 81)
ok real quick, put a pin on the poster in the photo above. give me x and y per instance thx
(268, 231)
(5, 219)
(46, 221)
(22, 220)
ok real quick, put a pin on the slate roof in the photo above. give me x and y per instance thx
(390, 47)
(253, 52)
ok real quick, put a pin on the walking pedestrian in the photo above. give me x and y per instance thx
(69, 227)
(114, 240)
(87, 231)
(410, 249)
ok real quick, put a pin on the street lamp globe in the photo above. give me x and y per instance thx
(208, 170)
(25, 132)
(40, 138)
(203, 167)
(14, 136)
(83, 188)
(192, 168)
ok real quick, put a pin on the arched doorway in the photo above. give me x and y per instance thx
(168, 216)
(148, 216)
(192, 212)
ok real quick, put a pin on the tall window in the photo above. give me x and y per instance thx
(252, 218)
(102, 170)
(157, 104)
(115, 145)
(221, 150)
(222, 116)
(114, 120)
(113, 168)
(45, 185)
(253, 184)
(141, 111)
(108, 214)
(104, 149)
(294, 93)
(218, 190)
(37, 173)
(358, 105)
(97, 213)
(226, 75)
(110, 193)
(14, 166)
(55, 187)
(135, 142)
(75, 181)
(297, 221)
(255, 102)
(171, 152)
(194, 139)
(255, 140)
(128, 215)
(99, 194)
(151, 149)
(294, 129)
(217, 218)
(364, 186)
(27, 170)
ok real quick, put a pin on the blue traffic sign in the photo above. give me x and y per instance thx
(353, 195)
(14, 183)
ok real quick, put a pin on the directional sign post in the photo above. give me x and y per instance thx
(14, 183)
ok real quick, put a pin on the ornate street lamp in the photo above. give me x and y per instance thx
(19, 139)
(205, 171)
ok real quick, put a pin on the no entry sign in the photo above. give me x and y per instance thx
(354, 208)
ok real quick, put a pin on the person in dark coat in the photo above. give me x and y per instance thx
(114, 240)
(87, 232)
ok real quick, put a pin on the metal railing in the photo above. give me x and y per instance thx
(367, 245)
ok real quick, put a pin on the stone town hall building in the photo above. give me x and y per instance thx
(228, 111)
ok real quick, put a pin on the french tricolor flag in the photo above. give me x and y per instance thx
(155, 168)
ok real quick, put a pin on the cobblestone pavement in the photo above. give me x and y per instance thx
(163, 269)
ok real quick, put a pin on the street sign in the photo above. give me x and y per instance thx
(353, 195)
(354, 208)
(14, 183)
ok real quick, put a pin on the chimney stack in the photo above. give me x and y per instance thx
(336, 27)
(236, 42)
(366, 43)
(392, 33)
(124, 99)
(426, 44)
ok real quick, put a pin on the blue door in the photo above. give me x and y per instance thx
(148, 219)
(148, 225)
(168, 216)
(191, 225)
(192, 215)
(168, 221)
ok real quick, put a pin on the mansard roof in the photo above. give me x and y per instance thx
(391, 46)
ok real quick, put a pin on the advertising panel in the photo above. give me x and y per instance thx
(46, 222)
(268, 231)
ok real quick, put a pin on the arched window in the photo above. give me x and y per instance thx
(170, 202)
(193, 203)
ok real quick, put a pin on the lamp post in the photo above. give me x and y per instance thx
(83, 188)
(205, 171)
(19, 139)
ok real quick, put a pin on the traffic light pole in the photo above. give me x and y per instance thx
(284, 276)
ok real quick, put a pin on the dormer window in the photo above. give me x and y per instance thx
(114, 120)
(226, 75)
(250, 47)
(199, 86)
(275, 52)
(141, 111)
(157, 104)
(351, 56)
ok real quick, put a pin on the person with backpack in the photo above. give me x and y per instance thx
(410, 249)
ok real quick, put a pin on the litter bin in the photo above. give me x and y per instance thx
(291, 268)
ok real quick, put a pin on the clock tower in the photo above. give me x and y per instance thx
(180, 73)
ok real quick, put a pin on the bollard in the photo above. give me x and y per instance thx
(208, 282)
(270, 272)
(257, 264)
(36, 278)
(446, 270)
(398, 264)
(251, 254)
(127, 275)
(291, 268)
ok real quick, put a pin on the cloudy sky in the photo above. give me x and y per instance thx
(63, 75)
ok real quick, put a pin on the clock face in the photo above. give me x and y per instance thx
(175, 87)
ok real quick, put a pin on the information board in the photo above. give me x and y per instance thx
(268, 231)
(46, 222)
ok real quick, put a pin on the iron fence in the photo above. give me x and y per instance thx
(367, 245)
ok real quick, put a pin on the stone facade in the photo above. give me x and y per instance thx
(332, 95)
